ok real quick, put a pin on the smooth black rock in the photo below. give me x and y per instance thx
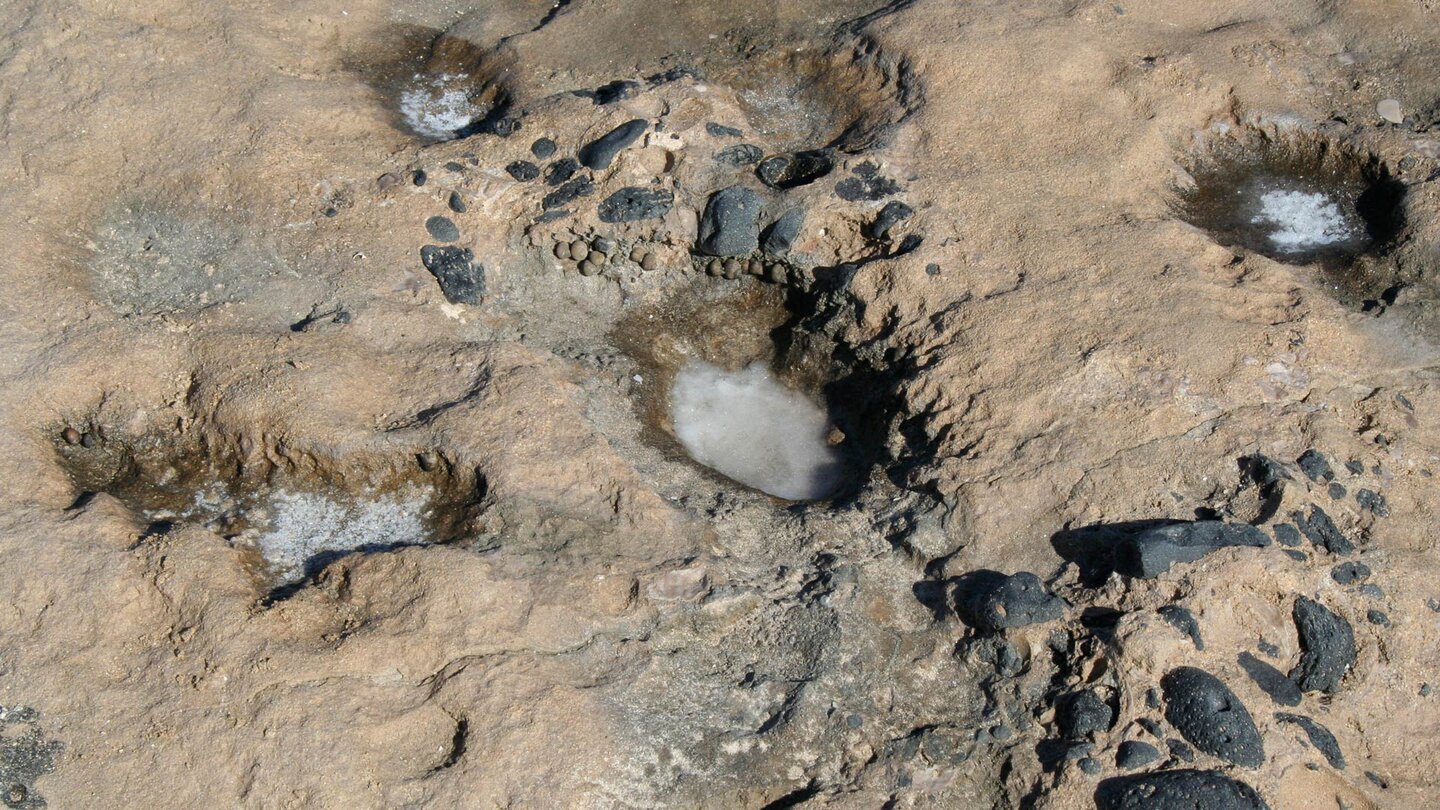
(1134, 754)
(1180, 751)
(571, 191)
(561, 171)
(891, 215)
(1211, 717)
(419, 177)
(780, 237)
(741, 154)
(1084, 714)
(1372, 502)
(1315, 467)
(1323, 532)
(794, 170)
(730, 225)
(867, 185)
(1184, 621)
(1327, 645)
(722, 131)
(1150, 552)
(456, 203)
(634, 203)
(1271, 681)
(1377, 617)
(1286, 535)
(990, 601)
(523, 171)
(599, 153)
(543, 148)
(1350, 573)
(1091, 765)
(462, 281)
(1177, 790)
(442, 228)
(1320, 737)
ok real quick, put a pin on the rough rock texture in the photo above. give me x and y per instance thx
(1150, 552)
(1327, 647)
(1319, 736)
(730, 224)
(1177, 790)
(1211, 717)
(221, 351)
(991, 601)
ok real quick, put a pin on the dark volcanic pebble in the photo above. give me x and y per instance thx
(1336, 490)
(618, 90)
(891, 215)
(932, 269)
(599, 153)
(1177, 790)
(1211, 717)
(543, 148)
(1084, 714)
(1134, 754)
(457, 203)
(1372, 502)
(1350, 573)
(1323, 532)
(635, 203)
(1354, 467)
(1298, 556)
(990, 601)
(1372, 590)
(1150, 552)
(571, 191)
(1327, 647)
(419, 177)
(1286, 535)
(523, 171)
(795, 170)
(561, 171)
(1184, 621)
(452, 166)
(722, 131)
(780, 237)
(730, 225)
(442, 228)
(867, 185)
(1377, 617)
(1179, 750)
(741, 154)
(1320, 737)
(1315, 467)
(462, 281)
(1091, 765)
(1271, 681)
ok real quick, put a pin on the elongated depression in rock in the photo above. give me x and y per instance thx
(748, 426)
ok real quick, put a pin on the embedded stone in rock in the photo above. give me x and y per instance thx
(1084, 715)
(599, 153)
(741, 154)
(1312, 462)
(780, 237)
(867, 185)
(462, 281)
(730, 225)
(1177, 790)
(1287, 535)
(722, 131)
(561, 171)
(792, 171)
(1373, 502)
(1271, 681)
(990, 601)
(1350, 573)
(891, 215)
(1323, 532)
(1134, 754)
(1184, 621)
(1320, 737)
(1327, 645)
(635, 203)
(543, 148)
(571, 191)
(523, 171)
(442, 228)
(1150, 552)
(1211, 717)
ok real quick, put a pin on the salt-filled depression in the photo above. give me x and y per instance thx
(1300, 221)
(748, 426)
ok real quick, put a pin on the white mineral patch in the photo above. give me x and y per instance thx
(437, 106)
(304, 525)
(751, 428)
(1302, 220)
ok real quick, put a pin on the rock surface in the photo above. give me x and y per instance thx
(1327, 647)
(991, 601)
(1177, 790)
(730, 224)
(1151, 552)
(1211, 717)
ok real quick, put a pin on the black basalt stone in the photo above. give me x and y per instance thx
(741, 154)
(990, 601)
(567, 193)
(722, 131)
(523, 171)
(780, 237)
(730, 224)
(1286, 535)
(543, 148)
(1271, 681)
(1150, 552)
(1315, 467)
(1177, 790)
(794, 170)
(1373, 502)
(1327, 645)
(867, 185)
(891, 215)
(561, 171)
(1084, 714)
(1350, 573)
(634, 203)
(599, 153)
(442, 228)
(1184, 621)
(1134, 754)
(1211, 717)
(461, 280)
(1320, 737)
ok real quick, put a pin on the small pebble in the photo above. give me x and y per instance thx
(543, 148)
(596, 258)
(427, 460)
(1372, 590)
(854, 721)
(1424, 690)
(756, 267)
(1336, 490)
(603, 244)
(523, 171)
(1377, 617)
(637, 254)
(562, 250)
(419, 177)
(1090, 765)
(88, 440)
(775, 274)
(588, 268)
(70, 435)
(1389, 109)
(1135, 754)
(731, 268)
(579, 250)
(1354, 467)
(1349, 573)
(1372, 502)
(442, 228)
(1298, 556)
(932, 269)
(649, 263)
(452, 166)
(713, 267)
(457, 203)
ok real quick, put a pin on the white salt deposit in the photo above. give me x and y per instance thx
(305, 525)
(751, 428)
(1302, 221)
(437, 106)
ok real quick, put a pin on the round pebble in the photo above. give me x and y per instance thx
(388, 181)
(755, 268)
(88, 440)
(419, 177)
(442, 228)
(543, 148)
(597, 257)
(457, 203)
(1389, 109)
(713, 268)
(589, 268)
(775, 274)
(649, 263)
(731, 268)
(637, 254)
(562, 250)
(70, 435)
(579, 250)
